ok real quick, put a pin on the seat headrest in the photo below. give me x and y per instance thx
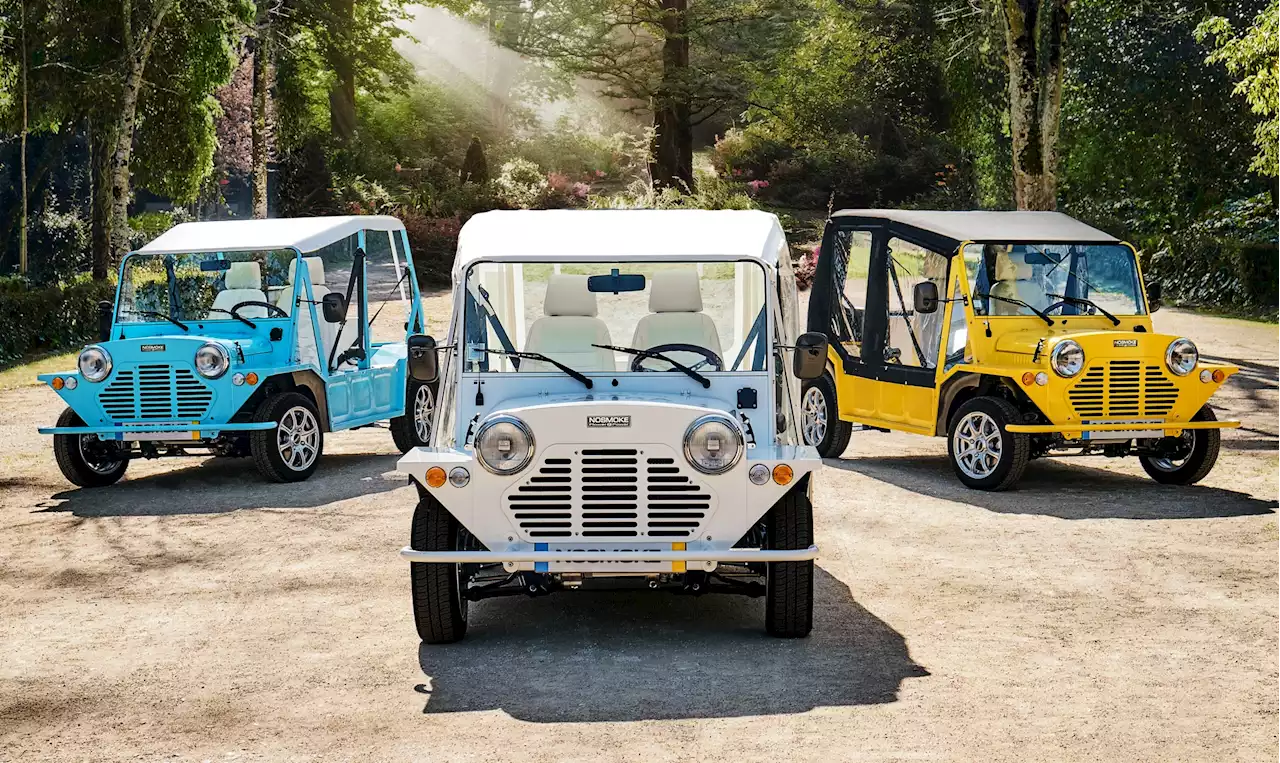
(1009, 268)
(675, 291)
(315, 269)
(244, 275)
(568, 295)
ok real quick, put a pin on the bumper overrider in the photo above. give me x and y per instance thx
(615, 494)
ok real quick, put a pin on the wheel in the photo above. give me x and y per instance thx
(413, 429)
(984, 455)
(820, 418)
(85, 460)
(439, 608)
(1193, 457)
(788, 598)
(290, 452)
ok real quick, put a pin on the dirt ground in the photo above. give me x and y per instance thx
(195, 612)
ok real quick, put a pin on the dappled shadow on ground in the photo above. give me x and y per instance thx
(590, 656)
(218, 485)
(1059, 488)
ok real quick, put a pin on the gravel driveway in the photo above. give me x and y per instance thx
(196, 612)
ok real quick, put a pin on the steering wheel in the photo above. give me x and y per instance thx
(710, 357)
(255, 303)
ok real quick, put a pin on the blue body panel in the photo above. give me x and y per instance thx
(153, 386)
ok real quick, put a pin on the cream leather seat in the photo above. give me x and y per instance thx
(1014, 280)
(568, 328)
(676, 317)
(285, 301)
(242, 283)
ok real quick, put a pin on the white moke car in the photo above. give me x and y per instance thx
(617, 398)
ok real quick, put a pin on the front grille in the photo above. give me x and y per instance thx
(1123, 388)
(595, 492)
(155, 392)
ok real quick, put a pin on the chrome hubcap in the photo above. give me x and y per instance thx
(978, 445)
(423, 407)
(298, 438)
(815, 416)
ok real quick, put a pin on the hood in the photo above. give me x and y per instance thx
(1096, 343)
(179, 348)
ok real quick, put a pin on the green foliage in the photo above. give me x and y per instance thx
(1253, 59)
(711, 192)
(520, 184)
(68, 315)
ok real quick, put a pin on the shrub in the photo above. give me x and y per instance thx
(68, 315)
(521, 184)
(433, 241)
(63, 246)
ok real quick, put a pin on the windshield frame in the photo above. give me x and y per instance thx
(132, 257)
(768, 272)
(970, 284)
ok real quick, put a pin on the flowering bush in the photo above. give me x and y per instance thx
(432, 241)
(520, 184)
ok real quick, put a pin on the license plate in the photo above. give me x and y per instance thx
(176, 435)
(1125, 434)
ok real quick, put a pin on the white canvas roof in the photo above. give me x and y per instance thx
(306, 234)
(1036, 227)
(560, 235)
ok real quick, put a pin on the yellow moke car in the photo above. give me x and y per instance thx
(1016, 335)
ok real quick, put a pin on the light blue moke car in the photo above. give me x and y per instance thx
(247, 338)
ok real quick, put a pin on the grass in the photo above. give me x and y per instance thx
(24, 374)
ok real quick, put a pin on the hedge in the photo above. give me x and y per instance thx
(46, 318)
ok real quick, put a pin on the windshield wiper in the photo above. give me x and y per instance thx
(539, 356)
(704, 381)
(156, 314)
(1018, 302)
(235, 315)
(1082, 301)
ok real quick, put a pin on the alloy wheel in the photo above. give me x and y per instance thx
(94, 460)
(423, 409)
(298, 438)
(814, 412)
(978, 445)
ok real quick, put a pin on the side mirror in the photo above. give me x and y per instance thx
(106, 311)
(810, 358)
(424, 364)
(334, 307)
(1154, 293)
(926, 297)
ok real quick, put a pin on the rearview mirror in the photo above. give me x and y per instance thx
(106, 311)
(424, 364)
(810, 358)
(615, 282)
(1154, 293)
(926, 297)
(334, 307)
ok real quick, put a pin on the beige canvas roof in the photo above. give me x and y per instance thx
(1032, 227)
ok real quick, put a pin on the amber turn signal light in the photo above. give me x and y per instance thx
(1028, 379)
(251, 378)
(435, 477)
(57, 382)
(782, 474)
(1218, 375)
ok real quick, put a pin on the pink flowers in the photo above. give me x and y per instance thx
(580, 190)
(599, 173)
(756, 185)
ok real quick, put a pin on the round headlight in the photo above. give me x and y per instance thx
(1182, 356)
(94, 363)
(1067, 358)
(712, 444)
(212, 360)
(504, 444)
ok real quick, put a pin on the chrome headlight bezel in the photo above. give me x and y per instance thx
(735, 437)
(106, 363)
(1056, 361)
(224, 360)
(1182, 346)
(486, 428)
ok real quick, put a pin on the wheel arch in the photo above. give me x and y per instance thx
(964, 387)
(306, 383)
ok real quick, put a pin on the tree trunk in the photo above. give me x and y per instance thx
(100, 142)
(672, 164)
(342, 96)
(22, 234)
(261, 96)
(1036, 34)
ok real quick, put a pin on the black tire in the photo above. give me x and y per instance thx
(69, 452)
(404, 429)
(836, 433)
(1015, 447)
(439, 610)
(264, 445)
(788, 598)
(1204, 447)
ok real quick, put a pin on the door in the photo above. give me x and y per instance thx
(890, 353)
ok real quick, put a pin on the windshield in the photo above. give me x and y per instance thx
(615, 317)
(1058, 279)
(203, 286)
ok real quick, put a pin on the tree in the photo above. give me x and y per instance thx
(1036, 39)
(1252, 57)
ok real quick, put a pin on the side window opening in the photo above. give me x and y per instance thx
(852, 262)
(912, 339)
